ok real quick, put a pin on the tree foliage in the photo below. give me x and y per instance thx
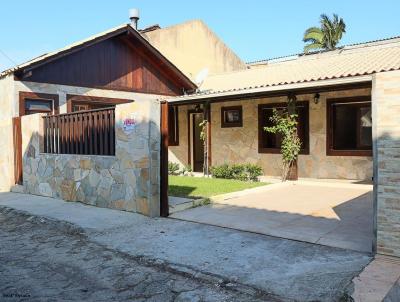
(325, 37)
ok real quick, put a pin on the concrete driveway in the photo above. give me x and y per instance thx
(332, 214)
(265, 267)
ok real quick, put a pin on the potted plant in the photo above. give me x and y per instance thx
(285, 123)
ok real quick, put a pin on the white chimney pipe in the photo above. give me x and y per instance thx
(134, 16)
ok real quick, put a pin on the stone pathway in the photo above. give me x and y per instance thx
(45, 260)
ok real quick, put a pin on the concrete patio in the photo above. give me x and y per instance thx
(335, 214)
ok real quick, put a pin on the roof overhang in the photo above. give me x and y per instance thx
(304, 87)
(120, 30)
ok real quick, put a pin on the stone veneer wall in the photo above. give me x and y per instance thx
(386, 114)
(238, 145)
(9, 104)
(127, 181)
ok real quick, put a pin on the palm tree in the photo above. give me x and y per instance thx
(325, 37)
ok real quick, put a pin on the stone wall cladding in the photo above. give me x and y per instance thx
(238, 145)
(386, 95)
(127, 181)
(9, 104)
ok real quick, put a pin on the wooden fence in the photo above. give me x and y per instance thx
(89, 132)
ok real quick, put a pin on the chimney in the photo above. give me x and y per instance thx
(134, 16)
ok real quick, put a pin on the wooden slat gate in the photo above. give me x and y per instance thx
(90, 132)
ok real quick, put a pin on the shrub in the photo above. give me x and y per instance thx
(244, 172)
(254, 171)
(173, 168)
(186, 170)
(222, 171)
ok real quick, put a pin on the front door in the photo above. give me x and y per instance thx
(197, 145)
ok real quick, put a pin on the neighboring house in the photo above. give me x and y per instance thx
(113, 67)
(193, 47)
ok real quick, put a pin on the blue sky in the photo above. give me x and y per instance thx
(254, 29)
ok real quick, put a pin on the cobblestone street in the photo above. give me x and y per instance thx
(45, 260)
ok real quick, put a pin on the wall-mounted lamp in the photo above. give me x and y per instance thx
(292, 98)
(197, 108)
(291, 103)
(316, 98)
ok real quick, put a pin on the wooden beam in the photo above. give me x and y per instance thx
(164, 206)
(246, 95)
(207, 107)
(17, 141)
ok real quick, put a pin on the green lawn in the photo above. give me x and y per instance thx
(187, 186)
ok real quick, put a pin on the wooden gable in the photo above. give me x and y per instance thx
(120, 62)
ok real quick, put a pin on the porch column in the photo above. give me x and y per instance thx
(386, 137)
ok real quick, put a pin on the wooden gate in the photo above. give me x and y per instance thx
(17, 142)
(90, 132)
(164, 207)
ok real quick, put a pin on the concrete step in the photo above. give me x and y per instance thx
(178, 204)
(17, 189)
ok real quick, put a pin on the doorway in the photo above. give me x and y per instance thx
(196, 146)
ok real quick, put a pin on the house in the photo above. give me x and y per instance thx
(347, 101)
(333, 92)
(114, 67)
(348, 104)
(193, 46)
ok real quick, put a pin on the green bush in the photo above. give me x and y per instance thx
(222, 171)
(173, 168)
(244, 172)
(253, 171)
(186, 170)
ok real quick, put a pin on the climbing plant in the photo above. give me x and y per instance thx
(203, 137)
(285, 124)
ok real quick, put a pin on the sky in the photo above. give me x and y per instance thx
(253, 29)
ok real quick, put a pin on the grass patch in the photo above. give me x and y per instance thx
(200, 187)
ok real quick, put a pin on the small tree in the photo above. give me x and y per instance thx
(285, 123)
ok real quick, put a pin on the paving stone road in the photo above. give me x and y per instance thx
(45, 260)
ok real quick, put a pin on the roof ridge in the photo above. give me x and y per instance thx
(364, 44)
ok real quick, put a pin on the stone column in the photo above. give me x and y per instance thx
(386, 135)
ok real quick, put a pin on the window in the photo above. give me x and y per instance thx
(31, 103)
(33, 106)
(83, 102)
(270, 142)
(349, 126)
(173, 126)
(231, 117)
(80, 106)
